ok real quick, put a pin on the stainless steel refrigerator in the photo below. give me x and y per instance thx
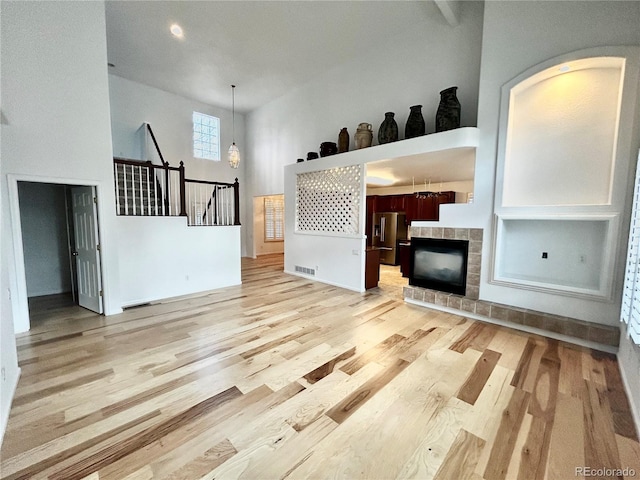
(388, 229)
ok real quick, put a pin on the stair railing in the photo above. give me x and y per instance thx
(212, 203)
(143, 188)
(165, 190)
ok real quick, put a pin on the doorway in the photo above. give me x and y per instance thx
(268, 225)
(60, 242)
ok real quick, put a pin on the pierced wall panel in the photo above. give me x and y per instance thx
(328, 201)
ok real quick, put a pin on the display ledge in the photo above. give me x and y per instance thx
(424, 148)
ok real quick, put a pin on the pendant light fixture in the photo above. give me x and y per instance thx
(234, 153)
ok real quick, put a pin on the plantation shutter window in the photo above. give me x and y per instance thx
(630, 311)
(273, 219)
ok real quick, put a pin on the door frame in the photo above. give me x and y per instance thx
(19, 298)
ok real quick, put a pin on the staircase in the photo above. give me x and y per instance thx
(138, 191)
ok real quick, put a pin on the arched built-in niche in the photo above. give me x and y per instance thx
(561, 135)
(566, 133)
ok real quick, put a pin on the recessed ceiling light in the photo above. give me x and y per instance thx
(176, 30)
(564, 68)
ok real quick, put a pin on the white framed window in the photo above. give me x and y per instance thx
(273, 219)
(630, 311)
(206, 136)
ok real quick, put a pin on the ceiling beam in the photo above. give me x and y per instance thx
(450, 10)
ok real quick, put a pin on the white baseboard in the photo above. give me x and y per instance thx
(634, 411)
(316, 279)
(5, 415)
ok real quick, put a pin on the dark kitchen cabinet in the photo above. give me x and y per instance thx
(422, 206)
(426, 205)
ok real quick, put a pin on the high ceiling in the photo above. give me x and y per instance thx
(266, 48)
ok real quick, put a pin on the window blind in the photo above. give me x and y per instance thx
(630, 311)
(273, 219)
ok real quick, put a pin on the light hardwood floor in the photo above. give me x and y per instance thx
(287, 378)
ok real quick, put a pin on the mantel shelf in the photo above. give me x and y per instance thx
(431, 146)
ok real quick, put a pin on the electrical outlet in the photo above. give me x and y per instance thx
(355, 251)
(583, 258)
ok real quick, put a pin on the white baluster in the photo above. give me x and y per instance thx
(126, 188)
(149, 171)
(141, 201)
(117, 170)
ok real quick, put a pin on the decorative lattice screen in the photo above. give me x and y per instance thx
(328, 201)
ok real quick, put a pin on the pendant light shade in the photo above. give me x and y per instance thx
(234, 156)
(234, 153)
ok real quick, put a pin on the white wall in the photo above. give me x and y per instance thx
(10, 373)
(44, 237)
(55, 126)
(629, 361)
(338, 259)
(556, 28)
(177, 260)
(8, 354)
(170, 117)
(403, 71)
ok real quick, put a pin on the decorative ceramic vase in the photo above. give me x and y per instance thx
(415, 123)
(312, 155)
(364, 135)
(328, 148)
(448, 115)
(388, 131)
(343, 141)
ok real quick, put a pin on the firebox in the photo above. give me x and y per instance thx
(439, 264)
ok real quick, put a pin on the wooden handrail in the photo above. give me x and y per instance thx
(142, 163)
(208, 182)
(153, 137)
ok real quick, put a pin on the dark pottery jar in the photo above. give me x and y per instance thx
(300, 160)
(312, 155)
(328, 148)
(388, 131)
(415, 123)
(343, 141)
(448, 114)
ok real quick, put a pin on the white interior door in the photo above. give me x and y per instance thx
(87, 248)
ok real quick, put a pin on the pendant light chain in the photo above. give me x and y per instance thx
(234, 153)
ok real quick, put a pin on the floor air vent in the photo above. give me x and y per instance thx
(305, 270)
